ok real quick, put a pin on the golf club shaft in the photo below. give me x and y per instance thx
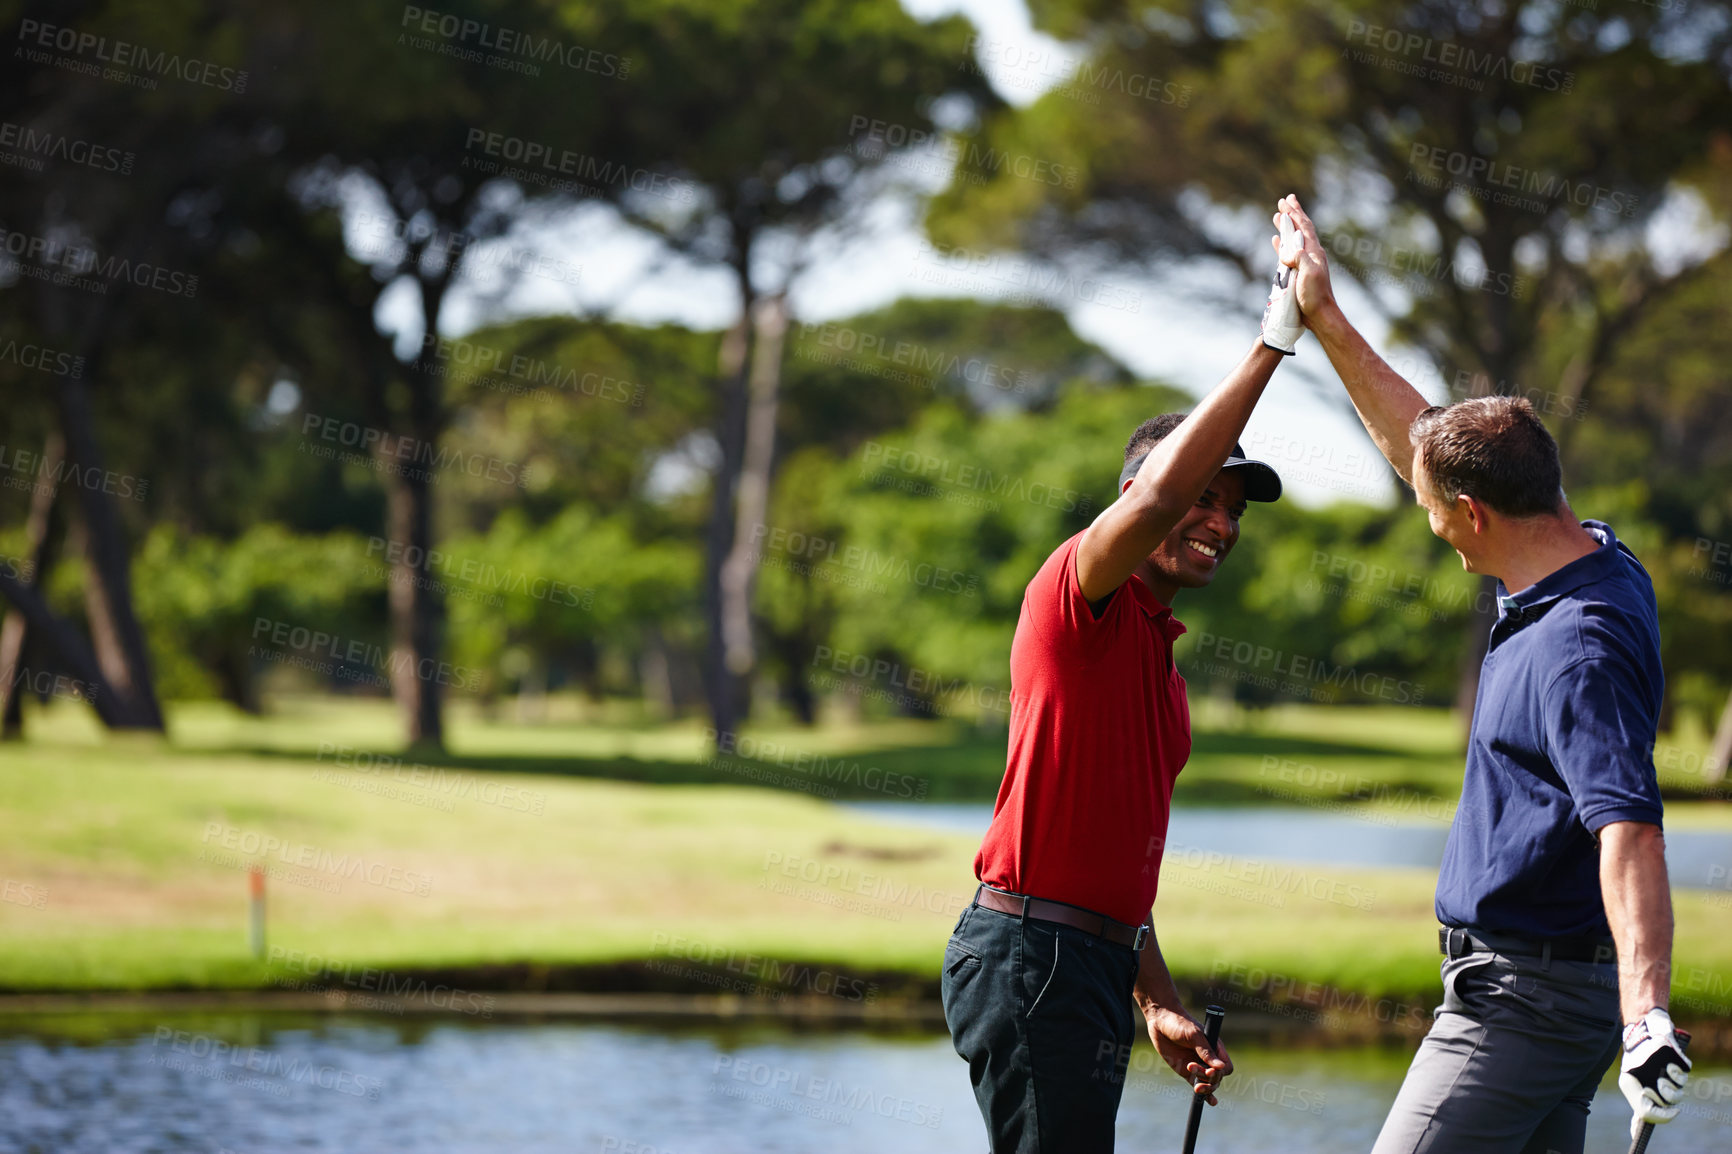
(1640, 1144)
(1212, 1031)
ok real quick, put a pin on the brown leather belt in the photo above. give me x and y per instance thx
(1041, 910)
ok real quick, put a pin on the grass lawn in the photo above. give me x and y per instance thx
(1340, 756)
(124, 861)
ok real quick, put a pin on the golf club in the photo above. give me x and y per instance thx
(1211, 1030)
(1639, 1144)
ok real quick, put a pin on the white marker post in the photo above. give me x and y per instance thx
(258, 911)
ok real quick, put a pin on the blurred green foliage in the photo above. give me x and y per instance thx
(911, 506)
(931, 453)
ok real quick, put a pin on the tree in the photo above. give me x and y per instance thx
(777, 162)
(1489, 176)
(95, 250)
(861, 393)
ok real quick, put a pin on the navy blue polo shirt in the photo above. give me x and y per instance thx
(1562, 740)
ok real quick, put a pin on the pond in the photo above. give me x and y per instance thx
(256, 1083)
(1694, 858)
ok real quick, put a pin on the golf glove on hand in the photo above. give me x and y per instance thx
(1654, 1069)
(1282, 327)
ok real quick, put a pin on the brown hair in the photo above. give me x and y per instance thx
(1493, 449)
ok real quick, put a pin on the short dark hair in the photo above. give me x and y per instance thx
(1149, 434)
(1493, 449)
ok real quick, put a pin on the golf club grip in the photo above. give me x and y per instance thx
(1212, 1031)
(1640, 1144)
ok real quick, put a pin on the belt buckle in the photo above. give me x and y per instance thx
(1142, 937)
(1447, 938)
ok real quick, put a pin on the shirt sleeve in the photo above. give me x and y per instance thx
(1061, 613)
(1600, 728)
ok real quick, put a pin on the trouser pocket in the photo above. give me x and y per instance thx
(1080, 1030)
(964, 959)
(958, 958)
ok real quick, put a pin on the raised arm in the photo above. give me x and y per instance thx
(1171, 479)
(1386, 403)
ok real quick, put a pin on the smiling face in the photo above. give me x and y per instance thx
(1200, 542)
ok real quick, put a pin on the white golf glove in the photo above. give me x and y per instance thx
(1282, 327)
(1654, 1070)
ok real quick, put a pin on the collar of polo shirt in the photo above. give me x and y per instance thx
(1577, 573)
(1150, 604)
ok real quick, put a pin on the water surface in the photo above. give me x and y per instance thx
(348, 1085)
(1695, 858)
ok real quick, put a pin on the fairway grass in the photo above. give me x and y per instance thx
(125, 861)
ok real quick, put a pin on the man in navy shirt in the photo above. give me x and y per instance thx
(1553, 898)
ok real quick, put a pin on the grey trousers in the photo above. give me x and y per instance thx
(1512, 1060)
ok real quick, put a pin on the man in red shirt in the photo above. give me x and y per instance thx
(1042, 971)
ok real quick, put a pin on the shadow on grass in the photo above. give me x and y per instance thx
(958, 772)
(965, 769)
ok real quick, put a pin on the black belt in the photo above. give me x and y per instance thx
(1041, 910)
(1456, 942)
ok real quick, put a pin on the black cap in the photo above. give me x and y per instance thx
(1261, 482)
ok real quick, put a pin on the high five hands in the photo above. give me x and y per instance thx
(1297, 246)
(1281, 325)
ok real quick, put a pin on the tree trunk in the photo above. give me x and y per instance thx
(417, 609)
(14, 637)
(114, 629)
(797, 692)
(655, 674)
(69, 649)
(723, 688)
(1714, 769)
(740, 569)
(15, 630)
(235, 681)
(417, 615)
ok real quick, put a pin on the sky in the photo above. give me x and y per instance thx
(1303, 426)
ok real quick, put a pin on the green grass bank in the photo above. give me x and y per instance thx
(586, 841)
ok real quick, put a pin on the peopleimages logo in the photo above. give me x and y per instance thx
(811, 553)
(1301, 668)
(385, 451)
(553, 159)
(182, 1045)
(1456, 61)
(43, 359)
(345, 866)
(466, 361)
(34, 145)
(1490, 179)
(344, 653)
(132, 63)
(844, 1098)
(839, 769)
(83, 267)
(926, 364)
(480, 42)
(1410, 263)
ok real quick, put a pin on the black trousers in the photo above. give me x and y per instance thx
(1042, 1013)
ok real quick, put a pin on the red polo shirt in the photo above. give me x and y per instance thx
(1099, 729)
